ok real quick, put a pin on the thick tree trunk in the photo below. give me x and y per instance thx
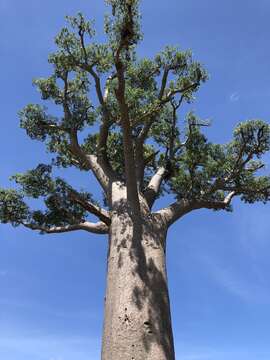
(137, 322)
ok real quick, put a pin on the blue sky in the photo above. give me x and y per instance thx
(52, 287)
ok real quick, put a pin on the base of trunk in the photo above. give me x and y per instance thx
(137, 322)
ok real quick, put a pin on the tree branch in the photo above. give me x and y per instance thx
(163, 83)
(153, 188)
(140, 142)
(101, 169)
(129, 155)
(105, 124)
(99, 212)
(142, 162)
(151, 113)
(182, 207)
(95, 228)
(101, 172)
(90, 68)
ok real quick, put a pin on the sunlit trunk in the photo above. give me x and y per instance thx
(137, 324)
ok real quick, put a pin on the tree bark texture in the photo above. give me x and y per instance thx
(137, 323)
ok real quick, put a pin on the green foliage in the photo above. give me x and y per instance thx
(205, 167)
(75, 51)
(252, 137)
(60, 208)
(141, 87)
(78, 58)
(120, 23)
(257, 189)
(187, 71)
(84, 84)
(36, 122)
(12, 207)
(36, 182)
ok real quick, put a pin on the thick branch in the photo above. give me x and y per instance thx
(100, 170)
(99, 212)
(153, 188)
(171, 148)
(105, 124)
(90, 68)
(95, 228)
(170, 151)
(182, 207)
(163, 84)
(90, 162)
(129, 156)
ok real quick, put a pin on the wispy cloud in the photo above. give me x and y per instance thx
(3, 273)
(234, 96)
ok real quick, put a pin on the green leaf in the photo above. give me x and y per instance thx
(12, 207)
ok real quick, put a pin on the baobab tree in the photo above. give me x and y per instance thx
(119, 120)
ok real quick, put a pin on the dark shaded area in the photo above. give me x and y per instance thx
(148, 232)
(155, 290)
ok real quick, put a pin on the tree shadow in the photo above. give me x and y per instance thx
(148, 233)
(157, 327)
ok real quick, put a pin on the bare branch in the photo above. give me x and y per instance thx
(101, 213)
(163, 83)
(99, 168)
(153, 188)
(128, 146)
(90, 68)
(105, 124)
(142, 162)
(182, 207)
(229, 197)
(170, 149)
(107, 86)
(175, 211)
(95, 228)
(87, 67)
(102, 173)
(141, 139)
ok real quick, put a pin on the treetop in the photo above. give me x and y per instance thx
(127, 109)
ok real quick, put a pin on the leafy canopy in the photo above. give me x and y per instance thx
(127, 110)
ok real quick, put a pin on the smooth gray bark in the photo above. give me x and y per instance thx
(137, 324)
